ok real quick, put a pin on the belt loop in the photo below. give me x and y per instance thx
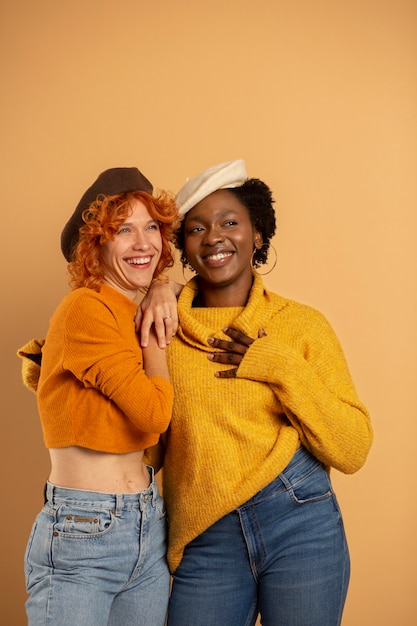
(151, 473)
(49, 493)
(119, 504)
(154, 493)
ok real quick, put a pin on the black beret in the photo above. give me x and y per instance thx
(109, 183)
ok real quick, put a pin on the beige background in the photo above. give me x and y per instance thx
(319, 97)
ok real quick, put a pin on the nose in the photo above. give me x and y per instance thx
(141, 241)
(213, 235)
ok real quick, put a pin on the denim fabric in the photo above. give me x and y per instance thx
(98, 559)
(282, 554)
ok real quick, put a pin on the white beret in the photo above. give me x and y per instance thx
(222, 176)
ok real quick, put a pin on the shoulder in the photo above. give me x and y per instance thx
(87, 305)
(106, 295)
(298, 311)
(81, 299)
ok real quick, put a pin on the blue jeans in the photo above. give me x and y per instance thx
(98, 559)
(282, 554)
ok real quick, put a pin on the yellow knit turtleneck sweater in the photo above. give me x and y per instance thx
(229, 438)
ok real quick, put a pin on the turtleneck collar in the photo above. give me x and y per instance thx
(197, 324)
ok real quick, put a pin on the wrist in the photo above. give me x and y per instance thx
(161, 278)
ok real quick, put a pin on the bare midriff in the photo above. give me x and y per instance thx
(82, 468)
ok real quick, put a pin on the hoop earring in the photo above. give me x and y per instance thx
(271, 247)
(190, 269)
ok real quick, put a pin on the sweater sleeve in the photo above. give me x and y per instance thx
(316, 392)
(31, 355)
(102, 355)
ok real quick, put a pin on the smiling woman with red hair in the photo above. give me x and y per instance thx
(102, 221)
(97, 550)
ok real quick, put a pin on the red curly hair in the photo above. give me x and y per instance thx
(103, 219)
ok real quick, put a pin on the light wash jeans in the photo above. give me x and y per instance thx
(98, 559)
(282, 554)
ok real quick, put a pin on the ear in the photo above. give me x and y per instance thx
(258, 240)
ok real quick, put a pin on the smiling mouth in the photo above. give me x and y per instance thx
(218, 257)
(141, 261)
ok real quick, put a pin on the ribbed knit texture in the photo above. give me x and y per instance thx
(229, 438)
(93, 391)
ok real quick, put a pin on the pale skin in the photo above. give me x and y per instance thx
(158, 311)
(129, 263)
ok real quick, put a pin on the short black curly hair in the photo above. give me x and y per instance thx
(256, 196)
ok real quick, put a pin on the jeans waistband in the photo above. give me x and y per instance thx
(101, 500)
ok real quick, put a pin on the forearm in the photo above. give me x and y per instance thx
(154, 359)
(318, 399)
(176, 287)
(158, 310)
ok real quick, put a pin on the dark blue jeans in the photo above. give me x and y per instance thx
(282, 554)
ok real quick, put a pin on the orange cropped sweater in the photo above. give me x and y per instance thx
(93, 391)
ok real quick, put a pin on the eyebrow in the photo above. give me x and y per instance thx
(150, 221)
(225, 213)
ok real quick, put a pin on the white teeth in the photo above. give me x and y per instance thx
(142, 261)
(219, 256)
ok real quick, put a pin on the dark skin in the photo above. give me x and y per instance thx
(219, 225)
(232, 351)
(219, 241)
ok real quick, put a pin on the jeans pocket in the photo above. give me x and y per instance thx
(77, 522)
(314, 487)
(27, 561)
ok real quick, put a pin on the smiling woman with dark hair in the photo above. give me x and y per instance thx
(264, 405)
(256, 196)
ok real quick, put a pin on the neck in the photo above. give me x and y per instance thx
(129, 293)
(210, 295)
